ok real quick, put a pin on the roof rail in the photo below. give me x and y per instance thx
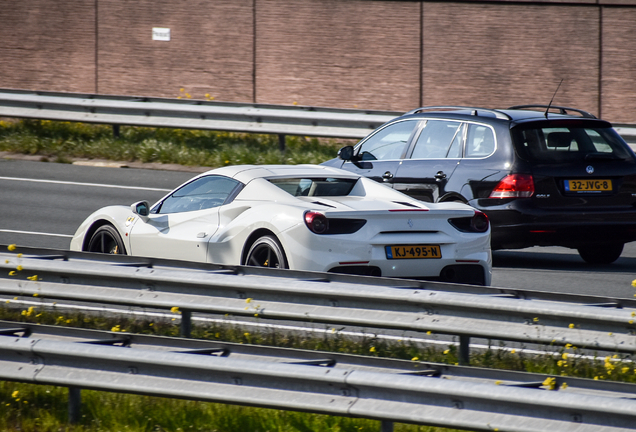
(475, 111)
(562, 109)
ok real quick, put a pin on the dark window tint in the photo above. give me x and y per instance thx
(568, 143)
(387, 143)
(315, 186)
(480, 141)
(438, 139)
(203, 193)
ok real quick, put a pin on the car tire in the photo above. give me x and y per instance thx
(106, 240)
(601, 254)
(266, 252)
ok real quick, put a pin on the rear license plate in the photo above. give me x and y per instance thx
(413, 252)
(588, 185)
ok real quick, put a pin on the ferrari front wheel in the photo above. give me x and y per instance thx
(266, 252)
(106, 240)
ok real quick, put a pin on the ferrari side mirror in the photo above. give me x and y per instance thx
(142, 208)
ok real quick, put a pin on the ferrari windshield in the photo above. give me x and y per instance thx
(324, 186)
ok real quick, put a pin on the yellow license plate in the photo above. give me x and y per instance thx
(413, 252)
(599, 185)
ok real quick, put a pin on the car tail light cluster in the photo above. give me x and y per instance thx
(514, 186)
(318, 223)
(478, 223)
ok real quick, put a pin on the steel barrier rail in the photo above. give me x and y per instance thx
(192, 114)
(220, 292)
(317, 358)
(406, 398)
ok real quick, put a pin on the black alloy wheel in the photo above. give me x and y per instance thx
(106, 240)
(601, 254)
(266, 252)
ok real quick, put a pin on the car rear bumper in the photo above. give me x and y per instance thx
(517, 225)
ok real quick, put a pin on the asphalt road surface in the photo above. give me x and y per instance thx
(43, 203)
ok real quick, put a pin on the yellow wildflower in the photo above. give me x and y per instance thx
(513, 351)
(633, 282)
(33, 278)
(571, 326)
(429, 332)
(19, 255)
(568, 346)
(498, 382)
(116, 328)
(248, 300)
(12, 247)
(12, 273)
(550, 383)
(19, 268)
(535, 319)
(372, 349)
(15, 394)
(564, 356)
(174, 309)
(35, 294)
(564, 386)
(446, 352)
(415, 359)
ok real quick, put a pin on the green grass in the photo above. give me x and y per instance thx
(65, 141)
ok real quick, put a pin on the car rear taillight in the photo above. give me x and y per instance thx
(477, 223)
(316, 222)
(514, 186)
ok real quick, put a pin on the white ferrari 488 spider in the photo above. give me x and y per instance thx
(303, 217)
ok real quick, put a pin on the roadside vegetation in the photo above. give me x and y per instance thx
(28, 407)
(65, 141)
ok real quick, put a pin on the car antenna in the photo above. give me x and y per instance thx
(550, 104)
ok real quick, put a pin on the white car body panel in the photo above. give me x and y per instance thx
(223, 234)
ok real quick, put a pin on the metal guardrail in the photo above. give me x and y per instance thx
(205, 115)
(336, 384)
(509, 315)
(192, 114)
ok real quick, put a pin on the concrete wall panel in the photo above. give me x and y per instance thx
(345, 54)
(47, 45)
(498, 55)
(618, 86)
(210, 49)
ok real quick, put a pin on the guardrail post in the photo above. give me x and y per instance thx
(186, 323)
(281, 142)
(74, 404)
(116, 130)
(387, 426)
(464, 350)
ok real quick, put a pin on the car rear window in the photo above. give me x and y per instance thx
(565, 143)
(315, 186)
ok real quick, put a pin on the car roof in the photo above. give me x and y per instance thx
(245, 173)
(516, 114)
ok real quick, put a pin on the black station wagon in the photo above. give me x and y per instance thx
(543, 178)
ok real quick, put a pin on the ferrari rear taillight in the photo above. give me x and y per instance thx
(514, 186)
(316, 222)
(478, 223)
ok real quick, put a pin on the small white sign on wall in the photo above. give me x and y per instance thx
(161, 34)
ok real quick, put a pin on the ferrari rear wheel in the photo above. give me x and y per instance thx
(266, 252)
(106, 240)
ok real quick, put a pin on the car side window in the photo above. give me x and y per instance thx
(480, 141)
(202, 193)
(389, 142)
(438, 139)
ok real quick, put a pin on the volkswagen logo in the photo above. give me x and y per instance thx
(589, 169)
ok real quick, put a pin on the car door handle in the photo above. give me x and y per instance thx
(440, 176)
(387, 176)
